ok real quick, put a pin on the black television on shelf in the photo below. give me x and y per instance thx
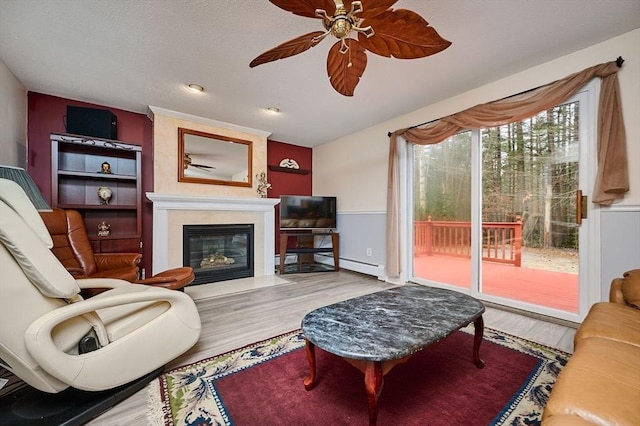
(307, 212)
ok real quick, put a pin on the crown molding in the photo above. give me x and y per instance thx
(152, 111)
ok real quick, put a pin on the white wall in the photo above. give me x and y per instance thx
(13, 119)
(360, 184)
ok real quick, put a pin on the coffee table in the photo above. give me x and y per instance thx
(377, 331)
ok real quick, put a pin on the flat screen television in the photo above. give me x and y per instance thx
(307, 212)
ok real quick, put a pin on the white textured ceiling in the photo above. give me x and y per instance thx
(130, 54)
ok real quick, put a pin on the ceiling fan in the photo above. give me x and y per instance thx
(188, 162)
(400, 33)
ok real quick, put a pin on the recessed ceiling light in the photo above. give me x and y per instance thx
(273, 110)
(195, 88)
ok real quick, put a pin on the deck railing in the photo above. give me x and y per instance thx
(501, 241)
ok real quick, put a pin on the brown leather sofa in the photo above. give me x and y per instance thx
(600, 385)
(72, 247)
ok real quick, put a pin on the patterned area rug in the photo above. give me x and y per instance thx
(262, 384)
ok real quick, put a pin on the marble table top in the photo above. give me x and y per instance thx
(390, 324)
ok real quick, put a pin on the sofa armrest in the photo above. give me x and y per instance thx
(626, 290)
(105, 261)
(615, 292)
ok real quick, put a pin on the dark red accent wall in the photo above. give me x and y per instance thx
(47, 115)
(283, 183)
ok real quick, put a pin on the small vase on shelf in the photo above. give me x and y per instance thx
(105, 194)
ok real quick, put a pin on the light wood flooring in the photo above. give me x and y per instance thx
(231, 321)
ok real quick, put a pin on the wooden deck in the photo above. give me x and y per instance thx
(558, 290)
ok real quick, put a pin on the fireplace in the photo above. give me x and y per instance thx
(218, 252)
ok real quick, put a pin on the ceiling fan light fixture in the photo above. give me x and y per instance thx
(195, 88)
(342, 22)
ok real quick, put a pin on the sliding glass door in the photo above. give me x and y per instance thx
(442, 211)
(495, 212)
(530, 245)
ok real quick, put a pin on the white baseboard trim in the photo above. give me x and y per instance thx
(364, 268)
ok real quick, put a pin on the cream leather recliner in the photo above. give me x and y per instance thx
(43, 319)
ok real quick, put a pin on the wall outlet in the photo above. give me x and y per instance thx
(369, 252)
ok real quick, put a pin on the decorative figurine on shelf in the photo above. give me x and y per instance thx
(263, 185)
(105, 195)
(105, 168)
(289, 163)
(104, 229)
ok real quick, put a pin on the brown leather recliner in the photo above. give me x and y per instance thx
(72, 247)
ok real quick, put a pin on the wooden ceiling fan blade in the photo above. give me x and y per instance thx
(289, 48)
(188, 161)
(345, 69)
(306, 7)
(402, 34)
(372, 8)
(203, 167)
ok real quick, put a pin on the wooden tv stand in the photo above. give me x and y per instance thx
(305, 247)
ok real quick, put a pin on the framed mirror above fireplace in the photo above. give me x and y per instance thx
(214, 159)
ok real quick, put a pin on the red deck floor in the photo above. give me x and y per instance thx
(557, 290)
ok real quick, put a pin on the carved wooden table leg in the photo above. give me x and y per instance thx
(373, 381)
(478, 325)
(310, 382)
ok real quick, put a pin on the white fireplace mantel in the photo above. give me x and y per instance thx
(163, 203)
